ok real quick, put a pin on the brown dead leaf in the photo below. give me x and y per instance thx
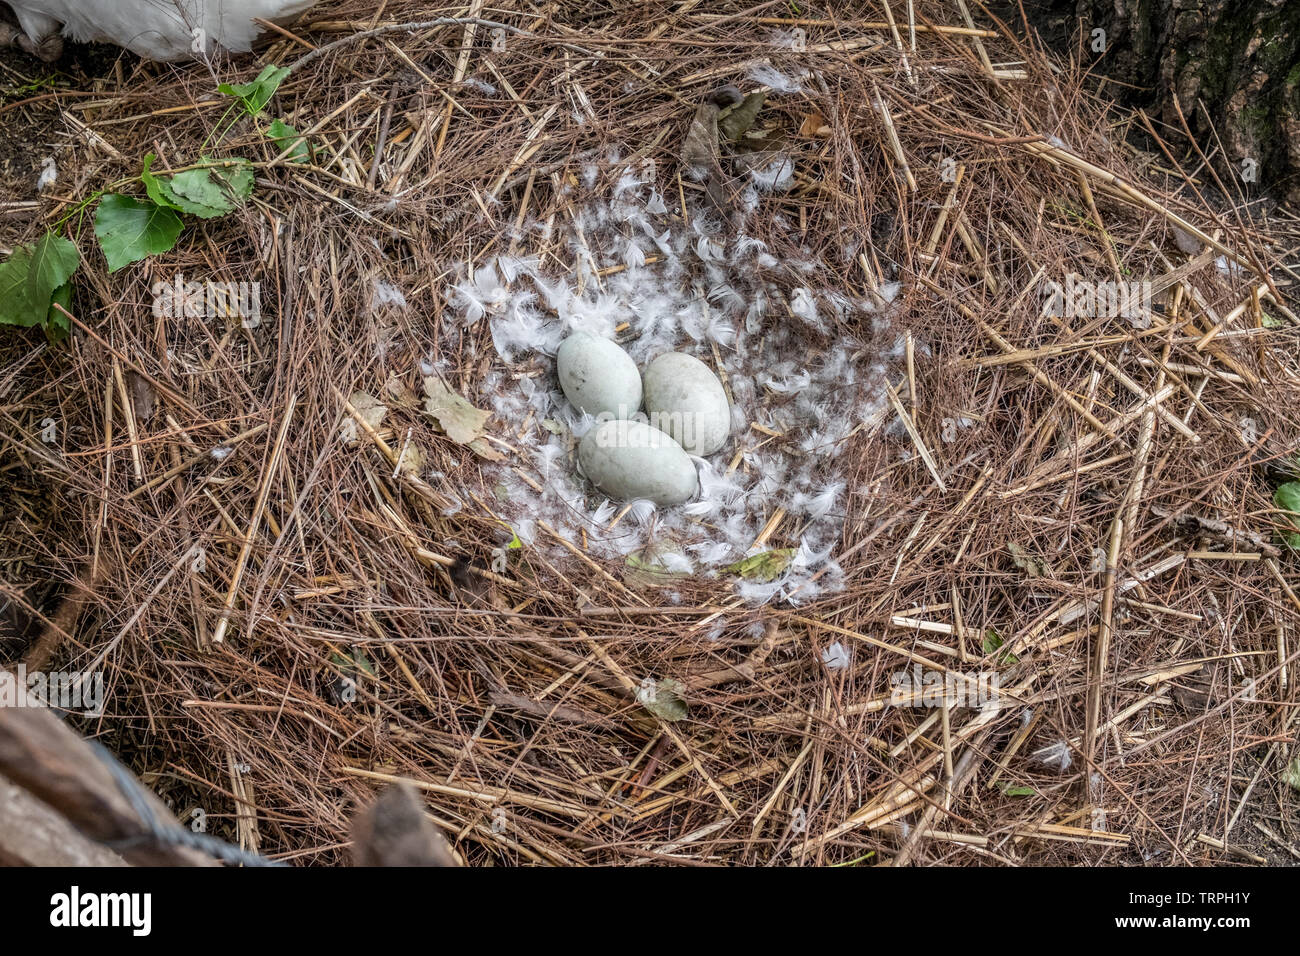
(814, 124)
(399, 393)
(143, 398)
(462, 422)
(412, 460)
(372, 412)
(482, 448)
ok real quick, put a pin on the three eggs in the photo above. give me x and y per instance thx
(630, 455)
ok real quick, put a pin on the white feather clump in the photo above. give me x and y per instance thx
(717, 492)
(674, 562)
(713, 553)
(776, 175)
(784, 380)
(385, 293)
(604, 513)
(765, 74)
(480, 294)
(48, 176)
(804, 306)
(1232, 270)
(707, 293)
(836, 657)
(818, 504)
(641, 512)
(1056, 754)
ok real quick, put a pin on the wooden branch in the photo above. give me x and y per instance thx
(53, 764)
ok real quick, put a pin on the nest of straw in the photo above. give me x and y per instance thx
(1081, 505)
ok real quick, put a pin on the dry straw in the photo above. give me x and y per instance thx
(1072, 501)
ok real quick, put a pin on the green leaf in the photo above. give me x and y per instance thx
(1033, 567)
(35, 276)
(256, 94)
(236, 177)
(1291, 775)
(736, 121)
(54, 260)
(154, 186)
(210, 190)
(349, 665)
(282, 134)
(1287, 497)
(362, 661)
(56, 323)
(663, 698)
(15, 307)
(1013, 791)
(195, 192)
(767, 566)
(992, 641)
(129, 230)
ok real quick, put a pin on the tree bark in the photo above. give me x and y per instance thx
(1240, 58)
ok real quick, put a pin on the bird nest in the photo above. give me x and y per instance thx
(989, 571)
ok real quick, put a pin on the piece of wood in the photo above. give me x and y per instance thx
(33, 834)
(395, 831)
(48, 760)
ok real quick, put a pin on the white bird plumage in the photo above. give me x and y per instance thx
(155, 29)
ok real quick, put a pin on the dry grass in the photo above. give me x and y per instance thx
(510, 698)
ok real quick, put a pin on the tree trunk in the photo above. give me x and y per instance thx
(1240, 58)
